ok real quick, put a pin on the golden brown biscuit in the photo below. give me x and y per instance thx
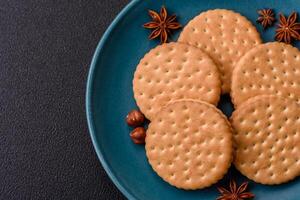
(189, 144)
(225, 36)
(174, 71)
(271, 68)
(267, 139)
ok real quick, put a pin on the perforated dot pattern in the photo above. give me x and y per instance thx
(174, 71)
(225, 36)
(189, 144)
(271, 68)
(267, 139)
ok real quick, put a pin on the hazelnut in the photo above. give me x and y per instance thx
(135, 118)
(138, 135)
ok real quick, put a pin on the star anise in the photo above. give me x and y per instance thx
(287, 29)
(162, 24)
(266, 17)
(234, 192)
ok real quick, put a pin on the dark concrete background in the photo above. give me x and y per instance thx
(45, 50)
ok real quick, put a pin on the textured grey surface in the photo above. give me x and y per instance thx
(45, 50)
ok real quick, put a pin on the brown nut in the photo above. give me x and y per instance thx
(135, 118)
(138, 135)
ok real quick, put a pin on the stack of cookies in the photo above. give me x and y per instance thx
(189, 142)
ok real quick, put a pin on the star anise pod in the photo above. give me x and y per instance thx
(266, 17)
(234, 192)
(287, 29)
(162, 24)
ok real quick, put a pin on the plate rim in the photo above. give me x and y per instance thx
(88, 98)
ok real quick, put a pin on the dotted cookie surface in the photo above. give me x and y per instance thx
(271, 68)
(267, 139)
(174, 71)
(225, 36)
(189, 144)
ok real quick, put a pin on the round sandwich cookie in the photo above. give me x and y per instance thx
(225, 36)
(267, 139)
(271, 68)
(189, 144)
(174, 71)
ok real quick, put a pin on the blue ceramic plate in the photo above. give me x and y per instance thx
(109, 98)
